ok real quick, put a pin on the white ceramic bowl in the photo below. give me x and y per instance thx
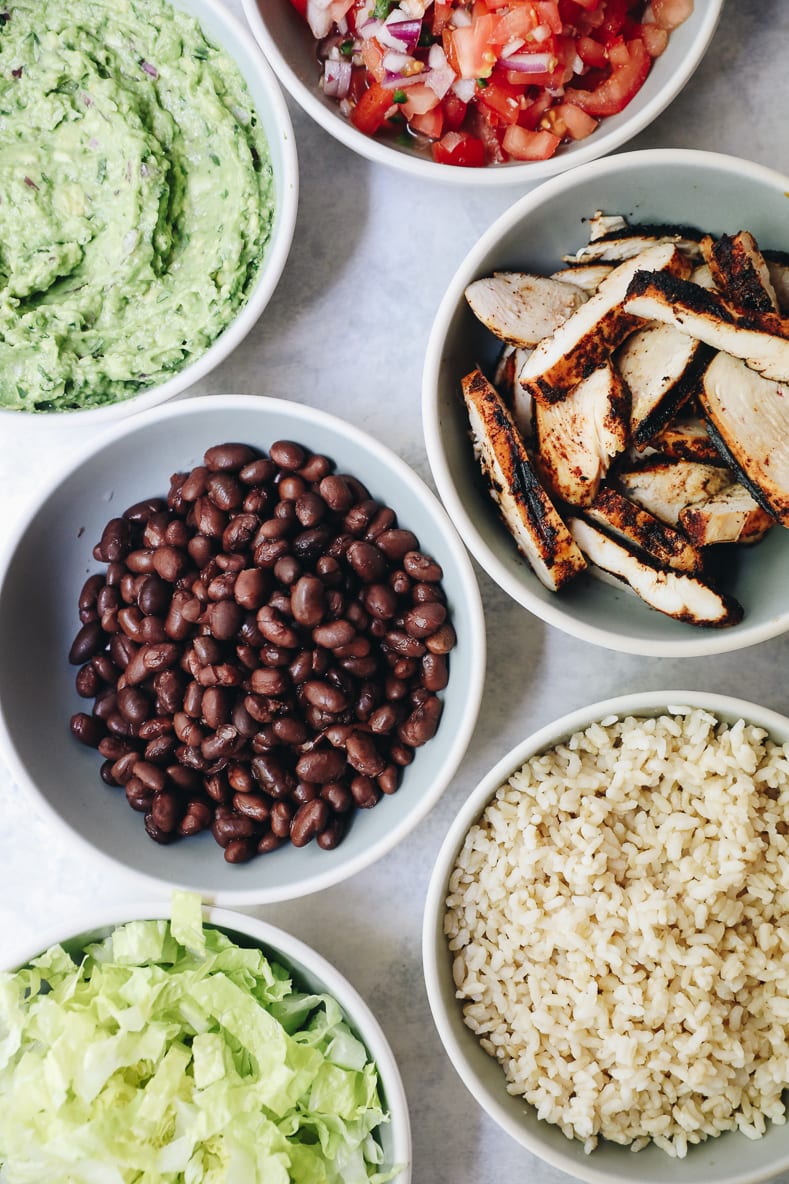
(311, 972)
(225, 30)
(719, 193)
(289, 45)
(46, 565)
(731, 1158)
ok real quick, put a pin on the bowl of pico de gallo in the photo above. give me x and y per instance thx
(483, 92)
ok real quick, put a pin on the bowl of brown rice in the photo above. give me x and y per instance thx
(606, 944)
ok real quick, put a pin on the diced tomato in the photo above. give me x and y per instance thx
(442, 14)
(419, 100)
(631, 65)
(370, 112)
(430, 123)
(668, 14)
(454, 111)
(533, 113)
(590, 4)
(459, 148)
(654, 38)
(471, 48)
(501, 97)
(591, 52)
(518, 22)
(616, 13)
(300, 6)
(373, 58)
(548, 12)
(569, 122)
(521, 144)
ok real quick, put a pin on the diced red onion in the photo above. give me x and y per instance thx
(369, 29)
(440, 80)
(149, 69)
(400, 35)
(541, 33)
(464, 88)
(394, 62)
(530, 63)
(399, 81)
(512, 47)
(336, 77)
(460, 18)
(436, 57)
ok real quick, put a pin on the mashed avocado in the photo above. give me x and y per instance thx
(136, 197)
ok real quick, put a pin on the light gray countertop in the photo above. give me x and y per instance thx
(346, 331)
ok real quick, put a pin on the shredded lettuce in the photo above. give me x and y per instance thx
(171, 1054)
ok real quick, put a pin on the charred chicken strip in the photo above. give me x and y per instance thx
(522, 309)
(587, 338)
(640, 531)
(732, 516)
(684, 597)
(578, 438)
(539, 532)
(662, 368)
(760, 339)
(622, 242)
(750, 416)
(687, 439)
(587, 276)
(740, 271)
(665, 487)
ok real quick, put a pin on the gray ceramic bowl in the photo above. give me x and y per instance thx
(289, 45)
(47, 563)
(224, 30)
(310, 972)
(719, 193)
(729, 1159)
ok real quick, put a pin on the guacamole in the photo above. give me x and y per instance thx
(136, 198)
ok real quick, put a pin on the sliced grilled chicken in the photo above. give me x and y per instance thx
(505, 379)
(578, 438)
(640, 531)
(778, 270)
(522, 309)
(740, 271)
(760, 338)
(732, 516)
(684, 597)
(687, 439)
(529, 514)
(589, 277)
(665, 487)
(662, 368)
(587, 338)
(703, 277)
(750, 417)
(624, 242)
(601, 224)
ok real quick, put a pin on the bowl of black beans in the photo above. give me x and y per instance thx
(243, 649)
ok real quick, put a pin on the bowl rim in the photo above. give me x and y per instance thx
(277, 249)
(292, 949)
(513, 173)
(468, 591)
(701, 642)
(649, 703)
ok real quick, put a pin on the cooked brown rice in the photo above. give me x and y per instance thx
(619, 918)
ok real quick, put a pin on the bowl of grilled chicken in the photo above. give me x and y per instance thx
(606, 402)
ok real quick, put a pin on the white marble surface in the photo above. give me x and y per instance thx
(346, 331)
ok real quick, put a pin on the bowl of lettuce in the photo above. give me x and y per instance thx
(192, 1045)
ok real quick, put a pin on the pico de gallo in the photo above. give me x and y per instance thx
(487, 81)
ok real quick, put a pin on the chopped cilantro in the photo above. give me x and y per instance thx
(383, 8)
(399, 96)
(215, 159)
(482, 83)
(426, 38)
(346, 48)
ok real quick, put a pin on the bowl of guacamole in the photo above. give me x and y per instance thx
(148, 191)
